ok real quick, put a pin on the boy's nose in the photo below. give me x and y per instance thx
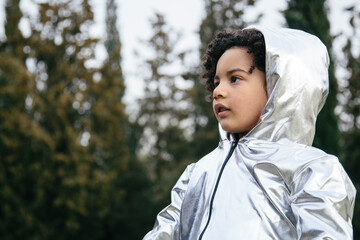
(219, 92)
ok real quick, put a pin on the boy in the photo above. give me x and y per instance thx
(264, 180)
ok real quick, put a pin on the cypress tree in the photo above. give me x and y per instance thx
(65, 171)
(351, 137)
(132, 219)
(21, 137)
(163, 112)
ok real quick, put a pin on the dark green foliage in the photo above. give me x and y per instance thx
(311, 16)
(65, 171)
(351, 138)
(352, 155)
(162, 141)
(112, 43)
(134, 215)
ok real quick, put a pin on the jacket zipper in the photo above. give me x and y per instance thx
(232, 148)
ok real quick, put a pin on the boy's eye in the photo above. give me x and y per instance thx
(216, 83)
(235, 79)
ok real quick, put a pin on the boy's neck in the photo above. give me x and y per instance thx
(235, 136)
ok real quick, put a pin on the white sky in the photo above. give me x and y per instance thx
(182, 15)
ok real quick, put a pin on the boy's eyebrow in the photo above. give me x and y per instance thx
(236, 70)
(216, 77)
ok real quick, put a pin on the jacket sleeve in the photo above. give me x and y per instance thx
(322, 200)
(167, 221)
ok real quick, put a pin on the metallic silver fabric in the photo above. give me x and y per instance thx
(275, 185)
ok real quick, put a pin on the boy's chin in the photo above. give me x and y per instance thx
(234, 131)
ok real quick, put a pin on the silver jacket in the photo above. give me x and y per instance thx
(274, 185)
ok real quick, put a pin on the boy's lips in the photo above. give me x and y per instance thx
(221, 109)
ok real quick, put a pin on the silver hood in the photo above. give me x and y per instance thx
(270, 184)
(297, 83)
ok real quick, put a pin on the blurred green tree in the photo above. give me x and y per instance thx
(19, 132)
(163, 112)
(351, 107)
(131, 218)
(65, 162)
(311, 16)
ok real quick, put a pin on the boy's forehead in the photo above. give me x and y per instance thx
(235, 56)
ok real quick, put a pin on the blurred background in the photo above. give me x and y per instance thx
(101, 106)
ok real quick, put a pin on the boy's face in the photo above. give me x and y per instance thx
(239, 97)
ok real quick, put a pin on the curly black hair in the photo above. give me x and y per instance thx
(251, 39)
